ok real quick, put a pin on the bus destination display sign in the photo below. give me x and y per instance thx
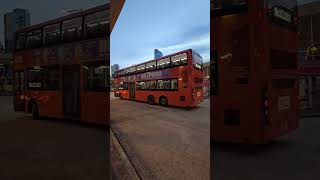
(282, 14)
(34, 85)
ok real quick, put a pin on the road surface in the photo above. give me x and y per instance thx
(293, 157)
(163, 142)
(50, 149)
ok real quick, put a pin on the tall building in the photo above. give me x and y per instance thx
(114, 68)
(13, 21)
(157, 54)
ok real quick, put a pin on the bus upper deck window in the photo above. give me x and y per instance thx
(72, 29)
(34, 39)
(21, 41)
(184, 58)
(180, 59)
(96, 25)
(151, 66)
(197, 60)
(175, 60)
(51, 34)
(163, 63)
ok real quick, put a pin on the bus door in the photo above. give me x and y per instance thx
(18, 95)
(70, 91)
(132, 90)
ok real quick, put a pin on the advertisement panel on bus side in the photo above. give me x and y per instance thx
(160, 74)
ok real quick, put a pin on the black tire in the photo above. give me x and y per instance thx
(150, 100)
(120, 95)
(35, 111)
(163, 101)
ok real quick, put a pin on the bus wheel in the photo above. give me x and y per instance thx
(163, 101)
(150, 100)
(35, 111)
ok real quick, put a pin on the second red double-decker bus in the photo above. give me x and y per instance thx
(254, 65)
(174, 80)
(60, 67)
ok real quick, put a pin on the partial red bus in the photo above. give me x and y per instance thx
(60, 67)
(173, 80)
(254, 69)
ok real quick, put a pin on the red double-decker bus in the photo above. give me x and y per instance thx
(254, 69)
(60, 67)
(173, 80)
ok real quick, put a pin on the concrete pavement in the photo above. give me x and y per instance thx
(50, 149)
(294, 157)
(164, 142)
(6, 110)
(121, 165)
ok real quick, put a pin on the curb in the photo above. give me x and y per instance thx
(120, 163)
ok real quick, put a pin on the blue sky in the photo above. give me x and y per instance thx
(167, 25)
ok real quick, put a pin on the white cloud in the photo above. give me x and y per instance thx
(194, 43)
(200, 42)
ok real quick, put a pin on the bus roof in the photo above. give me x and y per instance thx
(158, 58)
(67, 17)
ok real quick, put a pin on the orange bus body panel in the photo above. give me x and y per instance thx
(93, 105)
(243, 43)
(185, 76)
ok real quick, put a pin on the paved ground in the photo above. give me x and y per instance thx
(121, 166)
(50, 149)
(6, 110)
(293, 157)
(163, 142)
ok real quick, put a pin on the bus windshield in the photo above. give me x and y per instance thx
(227, 7)
(283, 12)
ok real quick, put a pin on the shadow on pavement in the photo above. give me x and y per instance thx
(53, 149)
(250, 149)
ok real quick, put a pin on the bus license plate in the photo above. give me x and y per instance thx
(198, 93)
(284, 102)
